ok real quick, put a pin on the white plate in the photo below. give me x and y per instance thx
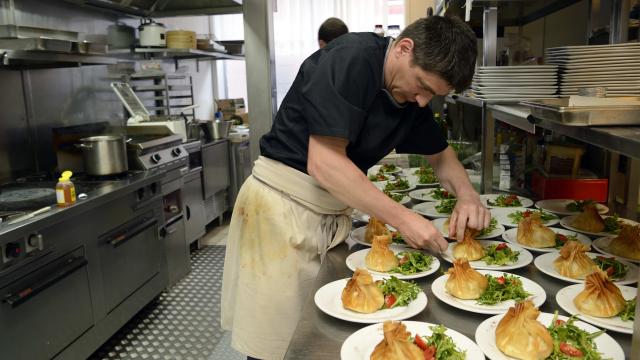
(428, 209)
(381, 185)
(423, 195)
(602, 245)
(360, 344)
(439, 224)
(438, 287)
(486, 337)
(524, 258)
(375, 168)
(360, 216)
(357, 235)
(357, 260)
(328, 299)
(526, 202)
(565, 222)
(544, 263)
(565, 297)
(559, 206)
(517, 90)
(502, 216)
(511, 236)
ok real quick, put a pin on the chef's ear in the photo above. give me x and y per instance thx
(405, 45)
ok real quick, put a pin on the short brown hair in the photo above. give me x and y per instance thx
(331, 29)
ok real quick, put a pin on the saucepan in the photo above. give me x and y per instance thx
(104, 155)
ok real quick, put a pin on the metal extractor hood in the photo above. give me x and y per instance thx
(164, 8)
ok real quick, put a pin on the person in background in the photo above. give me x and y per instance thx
(351, 104)
(331, 29)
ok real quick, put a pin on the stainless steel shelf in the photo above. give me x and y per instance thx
(38, 59)
(621, 139)
(176, 54)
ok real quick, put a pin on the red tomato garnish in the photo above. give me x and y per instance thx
(560, 322)
(610, 271)
(501, 280)
(403, 260)
(527, 213)
(430, 353)
(420, 342)
(502, 246)
(389, 300)
(445, 193)
(570, 350)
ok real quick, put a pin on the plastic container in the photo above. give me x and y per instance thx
(65, 190)
(379, 30)
(567, 188)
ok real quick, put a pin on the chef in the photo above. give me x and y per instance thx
(352, 103)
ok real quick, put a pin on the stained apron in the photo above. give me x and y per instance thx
(282, 225)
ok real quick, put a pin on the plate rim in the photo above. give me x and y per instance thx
(435, 265)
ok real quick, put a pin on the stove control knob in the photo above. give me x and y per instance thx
(155, 158)
(35, 240)
(176, 152)
(12, 250)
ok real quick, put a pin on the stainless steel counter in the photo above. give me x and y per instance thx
(320, 336)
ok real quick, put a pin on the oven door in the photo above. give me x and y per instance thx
(44, 311)
(129, 256)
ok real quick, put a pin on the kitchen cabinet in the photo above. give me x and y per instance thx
(194, 210)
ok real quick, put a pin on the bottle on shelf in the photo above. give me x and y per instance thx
(393, 31)
(379, 30)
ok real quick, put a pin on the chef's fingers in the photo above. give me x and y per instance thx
(452, 224)
(461, 224)
(487, 218)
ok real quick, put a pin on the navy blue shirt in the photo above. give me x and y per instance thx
(339, 92)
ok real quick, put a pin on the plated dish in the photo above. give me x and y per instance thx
(609, 227)
(486, 336)
(496, 257)
(435, 209)
(436, 194)
(364, 300)
(415, 264)
(361, 344)
(496, 287)
(566, 206)
(545, 263)
(492, 231)
(505, 200)
(510, 217)
(511, 236)
(622, 322)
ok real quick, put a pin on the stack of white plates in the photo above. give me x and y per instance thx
(615, 67)
(515, 83)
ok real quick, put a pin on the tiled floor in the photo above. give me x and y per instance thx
(184, 322)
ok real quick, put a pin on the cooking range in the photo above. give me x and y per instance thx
(69, 278)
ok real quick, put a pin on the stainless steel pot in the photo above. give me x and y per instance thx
(104, 155)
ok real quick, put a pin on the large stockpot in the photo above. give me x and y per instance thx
(104, 155)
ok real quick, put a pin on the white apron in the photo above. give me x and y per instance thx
(282, 225)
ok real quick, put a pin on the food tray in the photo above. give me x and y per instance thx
(558, 110)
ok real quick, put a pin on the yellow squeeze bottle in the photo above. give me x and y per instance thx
(65, 190)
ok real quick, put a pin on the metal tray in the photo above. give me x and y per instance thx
(39, 44)
(15, 31)
(558, 110)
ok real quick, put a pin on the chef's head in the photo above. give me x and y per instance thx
(431, 57)
(331, 29)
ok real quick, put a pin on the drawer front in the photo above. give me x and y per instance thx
(215, 168)
(45, 311)
(129, 257)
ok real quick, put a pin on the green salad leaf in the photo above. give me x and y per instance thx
(614, 268)
(412, 262)
(441, 194)
(423, 170)
(612, 224)
(492, 226)
(394, 196)
(629, 312)
(518, 215)
(397, 238)
(378, 177)
(578, 205)
(506, 287)
(569, 341)
(388, 168)
(446, 206)
(400, 184)
(505, 200)
(445, 348)
(500, 254)
(403, 291)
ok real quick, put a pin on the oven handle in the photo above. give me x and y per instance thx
(69, 267)
(169, 229)
(131, 232)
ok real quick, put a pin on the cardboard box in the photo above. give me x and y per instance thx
(230, 107)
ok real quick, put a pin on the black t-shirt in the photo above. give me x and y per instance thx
(339, 92)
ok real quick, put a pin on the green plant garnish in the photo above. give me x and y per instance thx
(492, 226)
(500, 254)
(446, 206)
(506, 287)
(505, 201)
(441, 194)
(518, 215)
(629, 312)
(412, 262)
(567, 338)
(400, 184)
(614, 268)
(403, 291)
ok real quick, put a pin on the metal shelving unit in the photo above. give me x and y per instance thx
(173, 54)
(170, 92)
(45, 59)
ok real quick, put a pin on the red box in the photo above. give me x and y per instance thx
(566, 188)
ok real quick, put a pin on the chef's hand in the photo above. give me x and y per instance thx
(419, 233)
(468, 212)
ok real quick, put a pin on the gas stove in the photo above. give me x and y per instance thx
(155, 147)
